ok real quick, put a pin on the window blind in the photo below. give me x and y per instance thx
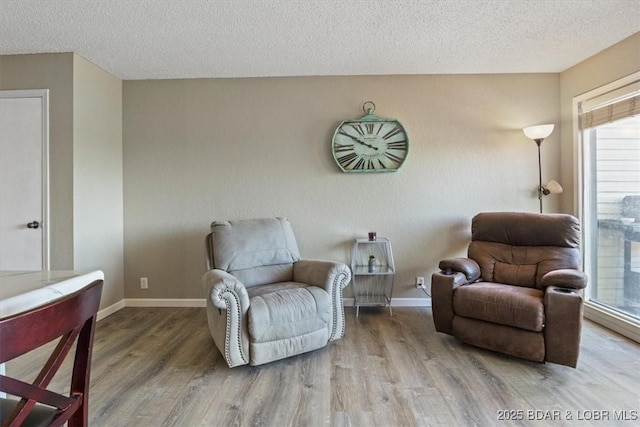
(617, 105)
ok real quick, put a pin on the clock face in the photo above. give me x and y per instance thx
(370, 145)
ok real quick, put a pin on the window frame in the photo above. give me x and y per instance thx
(605, 316)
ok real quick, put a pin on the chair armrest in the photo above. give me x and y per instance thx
(442, 288)
(563, 311)
(227, 324)
(324, 274)
(218, 285)
(564, 278)
(466, 266)
(332, 277)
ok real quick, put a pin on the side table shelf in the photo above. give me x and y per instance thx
(372, 287)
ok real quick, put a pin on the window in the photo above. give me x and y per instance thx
(609, 142)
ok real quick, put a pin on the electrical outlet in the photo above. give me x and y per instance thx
(419, 282)
(144, 283)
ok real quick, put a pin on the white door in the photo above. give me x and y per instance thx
(24, 140)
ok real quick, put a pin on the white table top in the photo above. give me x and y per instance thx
(23, 290)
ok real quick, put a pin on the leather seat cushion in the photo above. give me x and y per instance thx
(286, 310)
(509, 305)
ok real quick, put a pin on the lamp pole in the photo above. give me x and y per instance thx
(538, 134)
(538, 143)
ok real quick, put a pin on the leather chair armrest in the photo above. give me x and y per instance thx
(565, 278)
(332, 277)
(442, 288)
(467, 266)
(563, 311)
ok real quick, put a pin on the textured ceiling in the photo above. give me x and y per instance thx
(249, 38)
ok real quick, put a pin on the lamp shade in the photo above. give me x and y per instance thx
(554, 187)
(538, 132)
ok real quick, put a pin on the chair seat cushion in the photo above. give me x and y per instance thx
(40, 415)
(509, 305)
(285, 310)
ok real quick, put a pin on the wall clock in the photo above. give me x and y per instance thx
(370, 143)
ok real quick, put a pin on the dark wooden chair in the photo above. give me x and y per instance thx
(72, 319)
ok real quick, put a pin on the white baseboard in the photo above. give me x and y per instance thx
(179, 302)
(150, 302)
(617, 322)
(108, 311)
(411, 302)
(165, 302)
(398, 302)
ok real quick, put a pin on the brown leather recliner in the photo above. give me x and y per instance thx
(519, 291)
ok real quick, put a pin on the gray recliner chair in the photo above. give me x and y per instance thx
(264, 303)
(519, 291)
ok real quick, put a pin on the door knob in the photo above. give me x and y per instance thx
(33, 224)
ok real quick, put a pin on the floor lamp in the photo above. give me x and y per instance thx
(538, 134)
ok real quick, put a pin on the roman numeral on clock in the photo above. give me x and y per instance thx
(393, 157)
(397, 145)
(358, 128)
(342, 148)
(348, 159)
(396, 130)
(369, 127)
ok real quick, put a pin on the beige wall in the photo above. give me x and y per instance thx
(206, 149)
(98, 237)
(199, 150)
(85, 156)
(619, 60)
(53, 72)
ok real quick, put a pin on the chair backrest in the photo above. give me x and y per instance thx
(72, 319)
(519, 248)
(256, 251)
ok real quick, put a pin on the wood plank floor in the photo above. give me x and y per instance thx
(159, 367)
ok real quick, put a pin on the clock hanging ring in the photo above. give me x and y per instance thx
(370, 143)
